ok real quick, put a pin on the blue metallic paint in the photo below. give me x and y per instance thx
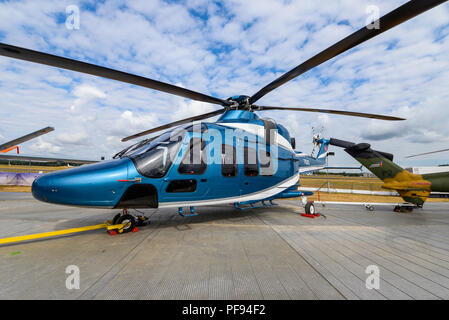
(98, 185)
(89, 185)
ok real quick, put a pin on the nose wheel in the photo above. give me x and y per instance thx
(128, 222)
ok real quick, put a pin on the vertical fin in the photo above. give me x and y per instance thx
(324, 146)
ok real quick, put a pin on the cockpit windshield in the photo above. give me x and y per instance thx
(147, 144)
(153, 157)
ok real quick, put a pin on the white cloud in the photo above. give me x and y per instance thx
(78, 138)
(44, 148)
(85, 94)
(242, 46)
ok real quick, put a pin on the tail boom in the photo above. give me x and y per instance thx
(413, 188)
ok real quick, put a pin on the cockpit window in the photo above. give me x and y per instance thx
(148, 144)
(154, 159)
(154, 156)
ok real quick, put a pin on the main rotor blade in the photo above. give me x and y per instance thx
(27, 137)
(340, 112)
(390, 20)
(74, 65)
(423, 154)
(174, 124)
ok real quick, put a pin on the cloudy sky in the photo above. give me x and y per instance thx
(223, 49)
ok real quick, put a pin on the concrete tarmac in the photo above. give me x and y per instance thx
(225, 253)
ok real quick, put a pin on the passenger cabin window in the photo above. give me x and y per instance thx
(266, 163)
(250, 163)
(228, 161)
(188, 185)
(195, 159)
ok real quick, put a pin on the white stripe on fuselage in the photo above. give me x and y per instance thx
(260, 195)
(310, 168)
(258, 130)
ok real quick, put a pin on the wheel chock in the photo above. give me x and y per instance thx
(112, 232)
(114, 227)
(308, 215)
(135, 229)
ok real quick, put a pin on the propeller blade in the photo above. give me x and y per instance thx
(74, 65)
(25, 138)
(174, 124)
(423, 154)
(340, 112)
(390, 20)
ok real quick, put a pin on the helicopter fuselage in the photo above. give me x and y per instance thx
(233, 164)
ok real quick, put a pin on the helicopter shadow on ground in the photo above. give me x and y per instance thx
(169, 218)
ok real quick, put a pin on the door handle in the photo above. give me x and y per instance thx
(133, 180)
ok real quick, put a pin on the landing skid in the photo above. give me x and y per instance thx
(186, 215)
(254, 204)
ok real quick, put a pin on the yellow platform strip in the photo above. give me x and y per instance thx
(59, 232)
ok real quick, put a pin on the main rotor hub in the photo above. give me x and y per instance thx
(240, 102)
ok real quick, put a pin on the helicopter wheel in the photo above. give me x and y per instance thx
(128, 221)
(114, 220)
(310, 208)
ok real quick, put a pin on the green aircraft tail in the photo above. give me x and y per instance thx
(379, 163)
(411, 187)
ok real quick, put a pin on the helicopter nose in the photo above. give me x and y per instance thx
(46, 187)
(41, 188)
(95, 185)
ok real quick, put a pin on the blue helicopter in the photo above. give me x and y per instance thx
(228, 161)
(239, 159)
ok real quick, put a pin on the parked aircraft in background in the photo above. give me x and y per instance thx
(413, 188)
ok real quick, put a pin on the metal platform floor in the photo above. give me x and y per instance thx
(224, 253)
